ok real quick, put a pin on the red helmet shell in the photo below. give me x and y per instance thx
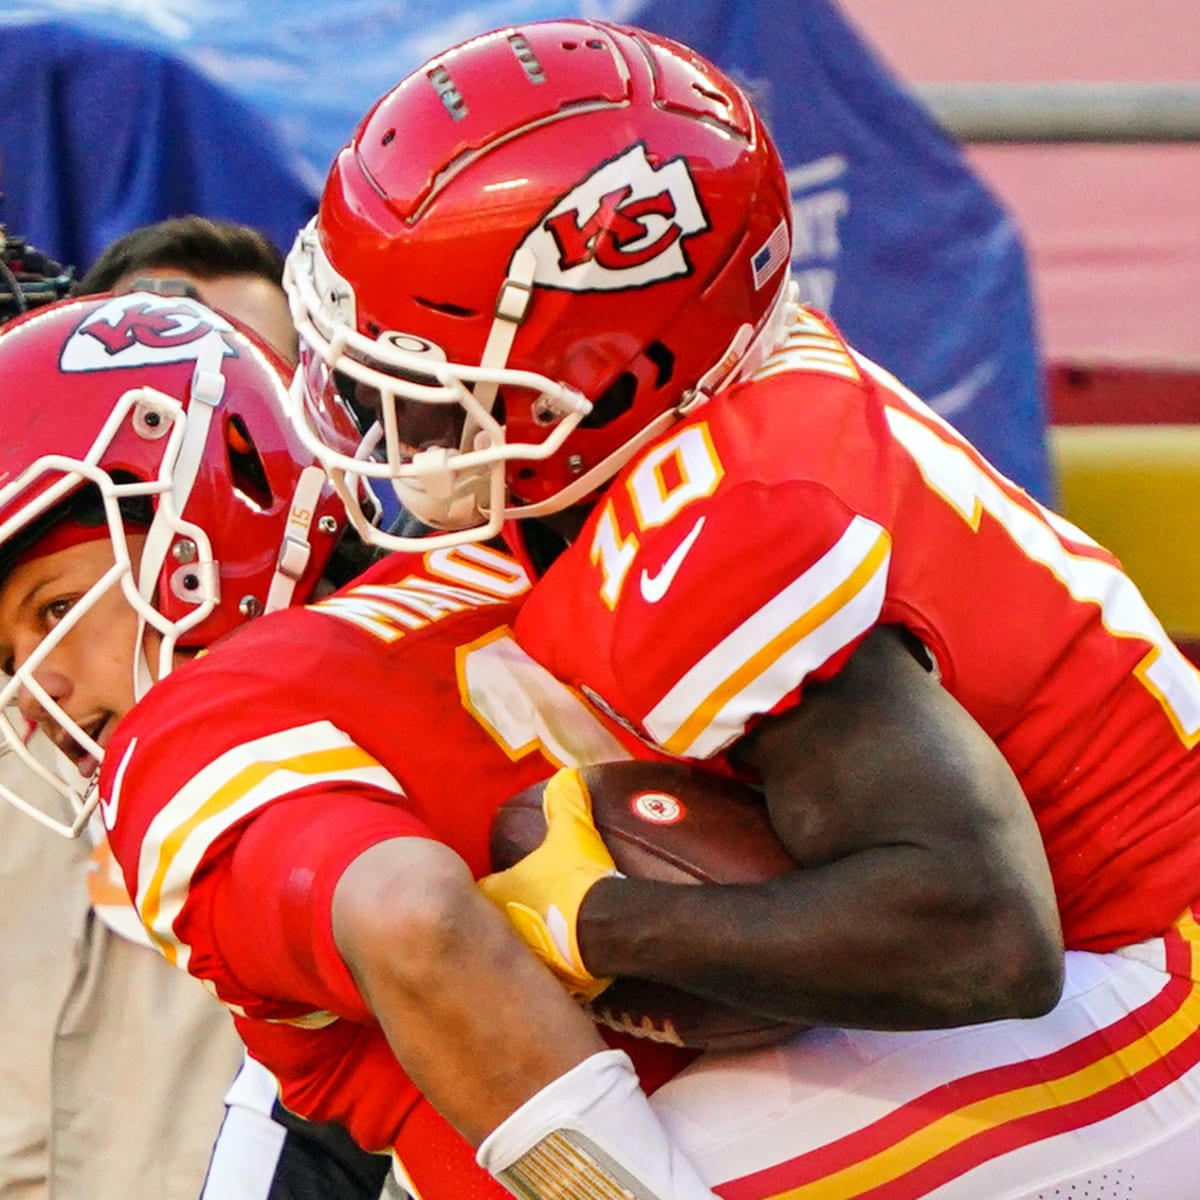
(640, 176)
(65, 369)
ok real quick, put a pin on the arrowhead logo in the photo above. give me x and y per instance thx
(138, 330)
(624, 226)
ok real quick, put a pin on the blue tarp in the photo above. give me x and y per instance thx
(120, 112)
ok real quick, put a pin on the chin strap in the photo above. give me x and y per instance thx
(207, 390)
(295, 549)
(516, 294)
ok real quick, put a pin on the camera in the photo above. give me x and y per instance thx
(28, 277)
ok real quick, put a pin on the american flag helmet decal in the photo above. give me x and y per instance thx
(770, 256)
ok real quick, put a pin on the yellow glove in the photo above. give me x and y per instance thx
(542, 893)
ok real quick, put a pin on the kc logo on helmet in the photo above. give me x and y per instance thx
(625, 226)
(138, 330)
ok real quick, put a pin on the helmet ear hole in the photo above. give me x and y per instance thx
(619, 397)
(613, 402)
(246, 471)
(664, 363)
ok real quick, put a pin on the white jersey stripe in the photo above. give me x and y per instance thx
(771, 652)
(242, 780)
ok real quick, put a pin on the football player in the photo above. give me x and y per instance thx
(108, 1095)
(299, 803)
(71, 938)
(557, 258)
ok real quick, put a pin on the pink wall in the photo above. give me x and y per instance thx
(1113, 232)
(1031, 40)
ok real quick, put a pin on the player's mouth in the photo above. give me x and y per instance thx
(83, 760)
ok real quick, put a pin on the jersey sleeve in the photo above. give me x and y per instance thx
(787, 584)
(719, 616)
(265, 909)
(723, 570)
(209, 789)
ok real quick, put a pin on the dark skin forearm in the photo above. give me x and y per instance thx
(923, 899)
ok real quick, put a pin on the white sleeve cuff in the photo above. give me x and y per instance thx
(592, 1128)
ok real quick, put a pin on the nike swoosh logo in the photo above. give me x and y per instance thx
(654, 587)
(110, 804)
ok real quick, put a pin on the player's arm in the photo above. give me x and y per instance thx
(472, 1016)
(926, 862)
(334, 901)
(489, 1036)
(924, 900)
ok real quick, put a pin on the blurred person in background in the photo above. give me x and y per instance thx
(234, 268)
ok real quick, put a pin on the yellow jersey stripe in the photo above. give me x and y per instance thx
(235, 785)
(771, 652)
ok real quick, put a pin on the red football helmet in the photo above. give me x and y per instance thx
(572, 231)
(177, 420)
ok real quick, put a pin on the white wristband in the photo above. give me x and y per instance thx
(590, 1133)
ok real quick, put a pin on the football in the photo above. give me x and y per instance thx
(675, 823)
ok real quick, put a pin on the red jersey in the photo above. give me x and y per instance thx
(238, 790)
(751, 547)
